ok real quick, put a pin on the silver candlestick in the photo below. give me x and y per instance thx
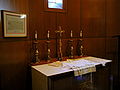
(70, 42)
(48, 46)
(36, 48)
(81, 48)
(80, 45)
(71, 45)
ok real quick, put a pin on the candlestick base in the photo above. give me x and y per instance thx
(59, 59)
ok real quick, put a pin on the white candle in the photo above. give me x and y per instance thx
(35, 34)
(48, 34)
(81, 33)
(71, 34)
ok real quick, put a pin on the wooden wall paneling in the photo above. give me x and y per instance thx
(50, 23)
(111, 48)
(70, 19)
(113, 22)
(36, 24)
(21, 6)
(73, 17)
(94, 47)
(14, 56)
(14, 52)
(93, 18)
(13, 76)
(113, 17)
(117, 17)
(62, 21)
(110, 18)
(36, 6)
(36, 17)
(42, 20)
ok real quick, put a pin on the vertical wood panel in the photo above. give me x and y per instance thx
(73, 18)
(14, 52)
(41, 20)
(93, 18)
(113, 17)
(49, 24)
(113, 23)
(14, 57)
(94, 47)
(70, 19)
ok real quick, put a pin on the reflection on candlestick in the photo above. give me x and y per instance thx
(81, 33)
(36, 56)
(71, 34)
(37, 51)
(48, 50)
(48, 34)
(35, 34)
(81, 50)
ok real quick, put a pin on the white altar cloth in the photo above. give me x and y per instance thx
(79, 66)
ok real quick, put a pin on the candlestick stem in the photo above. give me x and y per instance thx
(36, 51)
(48, 34)
(81, 34)
(48, 50)
(71, 34)
(35, 35)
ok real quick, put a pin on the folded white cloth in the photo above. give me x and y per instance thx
(98, 60)
(80, 67)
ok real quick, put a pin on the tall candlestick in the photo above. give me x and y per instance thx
(35, 34)
(48, 34)
(71, 34)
